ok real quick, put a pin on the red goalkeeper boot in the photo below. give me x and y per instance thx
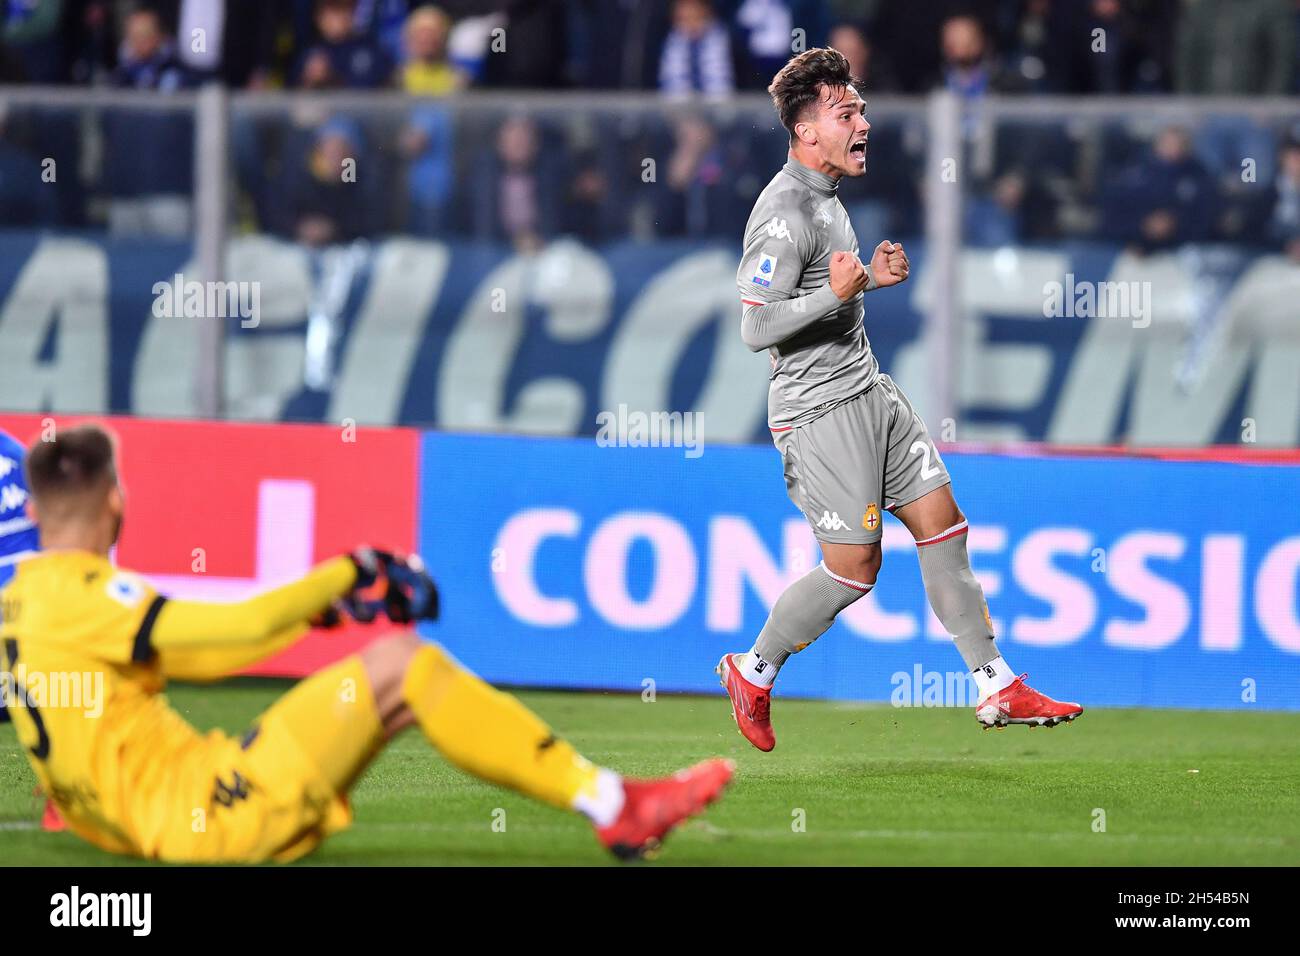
(1018, 703)
(653, 807)
(52, 820)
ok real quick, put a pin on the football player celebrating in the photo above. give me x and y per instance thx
(850, 441)
(131, 776)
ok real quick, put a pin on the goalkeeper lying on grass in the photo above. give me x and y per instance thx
(132, 776)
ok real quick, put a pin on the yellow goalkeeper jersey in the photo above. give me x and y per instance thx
(87, 650)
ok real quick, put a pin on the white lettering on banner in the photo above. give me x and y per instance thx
(739, 564)
(1167, 608)
(1074, 607)
(262, 371)
(673, 580)
(61, 296)
(867, 616)
(63, 286)
(738, 558)
(1223, 557)
(574, 288)
(1275, 595)
(693, 293)
(516, 584)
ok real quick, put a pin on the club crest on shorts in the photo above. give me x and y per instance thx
(871, 519)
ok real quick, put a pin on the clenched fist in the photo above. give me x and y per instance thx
(889, 263)
(848, 275)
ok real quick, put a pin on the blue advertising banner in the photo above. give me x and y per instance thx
(1115, 582)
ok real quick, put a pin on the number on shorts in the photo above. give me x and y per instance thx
(928, 470)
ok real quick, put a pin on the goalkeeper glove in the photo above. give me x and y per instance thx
(396, 585)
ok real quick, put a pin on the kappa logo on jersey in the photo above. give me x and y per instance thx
(7, 465)
(831, 521)
(766, 269)
(777, 229)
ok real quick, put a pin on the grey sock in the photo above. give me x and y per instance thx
(958, 599)
(803, 612)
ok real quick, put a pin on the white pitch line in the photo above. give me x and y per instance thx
(716, 831)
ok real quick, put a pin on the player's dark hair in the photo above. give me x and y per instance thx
(75, 461)
(799, 83)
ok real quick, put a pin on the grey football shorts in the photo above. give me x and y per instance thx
(870, 453)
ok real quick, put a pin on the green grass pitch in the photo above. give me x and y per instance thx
(871, 785)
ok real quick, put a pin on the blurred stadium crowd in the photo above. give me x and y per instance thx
(437, 164)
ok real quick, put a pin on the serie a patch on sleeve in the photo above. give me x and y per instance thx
(766, 269)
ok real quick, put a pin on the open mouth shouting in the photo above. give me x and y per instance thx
(858, 150)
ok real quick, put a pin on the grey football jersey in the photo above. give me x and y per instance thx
(818, 346)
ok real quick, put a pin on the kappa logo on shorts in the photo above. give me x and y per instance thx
(831, 521)
(871, 520)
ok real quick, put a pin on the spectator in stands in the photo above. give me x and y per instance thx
(1166, 200)
(591, 212)
(851, 40)
(694, 198)
(1246, 47)
(342, 56)
(970, 69)
(425, 69)
(996, 219)
(325, 204)
(1284, 214)
(148, 157)
(426, 143)
(147, 59)
(518, 201)
(698, 56)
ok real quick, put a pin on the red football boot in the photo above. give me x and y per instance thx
(52, 820)
(751, 705)
(653, 807)
(1018, 703)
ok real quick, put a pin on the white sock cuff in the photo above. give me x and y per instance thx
(847, 582)
(994, 676)
(944, 535)
(604, 802)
